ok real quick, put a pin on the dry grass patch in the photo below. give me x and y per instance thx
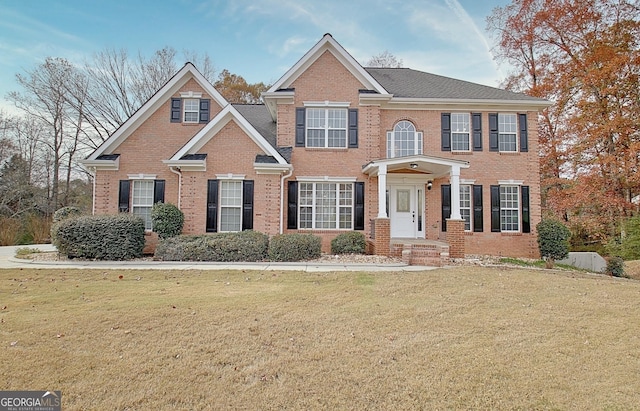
(468, 337)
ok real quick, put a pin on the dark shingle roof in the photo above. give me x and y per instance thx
(408, 83)
(109, 157)
(259, 117)
(193, 157)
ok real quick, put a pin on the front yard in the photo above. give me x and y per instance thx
(455, 338)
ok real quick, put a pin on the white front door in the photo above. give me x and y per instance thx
(406, 211)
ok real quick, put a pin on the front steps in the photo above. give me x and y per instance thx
(420, 252)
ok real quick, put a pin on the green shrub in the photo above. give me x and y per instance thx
(352, 242)
(167, 220)
(553, 240)
(243, 246)
(66, 212)
(294, 247)
(103, 237)
(615, 266)
(627, 246)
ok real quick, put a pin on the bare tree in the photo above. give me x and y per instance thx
(384, 60)
(47, 97)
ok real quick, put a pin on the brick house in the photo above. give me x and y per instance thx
(412, 159)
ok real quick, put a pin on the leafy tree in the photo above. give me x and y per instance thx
(17, 196)
(553, 240)
(585, 57)
(235, 89)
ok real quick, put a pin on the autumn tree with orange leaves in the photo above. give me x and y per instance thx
(583, 55)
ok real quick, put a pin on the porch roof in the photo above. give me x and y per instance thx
(431, 166)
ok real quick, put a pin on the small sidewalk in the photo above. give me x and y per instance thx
(8, 260)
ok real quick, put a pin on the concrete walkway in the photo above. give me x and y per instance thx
(8, 260)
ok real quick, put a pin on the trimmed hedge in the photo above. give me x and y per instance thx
(352, 242)
(66, 212)
(294, 247)
(102, 237)
(242, 246)
(167, 220)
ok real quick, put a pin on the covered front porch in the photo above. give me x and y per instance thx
(403, 191)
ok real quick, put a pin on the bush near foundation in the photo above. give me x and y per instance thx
(553, 240)
(227, 247)
(352, 242)
(167, 220)
(103, 237)
(294, 247)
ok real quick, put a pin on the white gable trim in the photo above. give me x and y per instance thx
(229, 113)
(158, 99)
(327, 43)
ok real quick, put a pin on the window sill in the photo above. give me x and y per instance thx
(461, 153)
(323, 230)
(511, 233)
(509, 153)
(191, 124)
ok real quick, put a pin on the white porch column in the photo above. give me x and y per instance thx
(382, 192)
(455, 193)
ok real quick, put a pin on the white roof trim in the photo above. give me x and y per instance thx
(327, 43)
(227, 114)
(372, 167)
(159, 98)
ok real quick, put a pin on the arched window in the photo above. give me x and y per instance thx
(404, 140)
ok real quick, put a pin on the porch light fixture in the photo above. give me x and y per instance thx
(413, 165)
(429, 185)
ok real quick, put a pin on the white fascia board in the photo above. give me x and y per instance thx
(159, 98)
(271, 168)
(187, 165)
(480, 104)
(328, 43)
(329, 179)
(102, 164)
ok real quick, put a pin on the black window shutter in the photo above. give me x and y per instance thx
(358, 213)
(524, 137)
(300, 124)
(204, 110)
(526, 217)
(446, 204)
(493, 131)
(247, 205)
(477, 209)
(176, 110)
(158, 191)
(123, 196)
(292, 205)
(353, 128)
(476, 125)
(495, 209)
(212, 206)
(445, 144)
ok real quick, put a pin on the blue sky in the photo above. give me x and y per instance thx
(257, 39)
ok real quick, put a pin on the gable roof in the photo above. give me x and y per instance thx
(187, 72)
(259, 117)
(327, 43)
(409, 83)
(229, 113)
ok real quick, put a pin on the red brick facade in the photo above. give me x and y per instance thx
(232, 151)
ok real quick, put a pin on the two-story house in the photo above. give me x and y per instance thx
(410, 158)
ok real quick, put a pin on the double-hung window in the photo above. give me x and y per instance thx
(326, 205)
(142, 201)
(138, 194)
(460, 132)
(465, 206)
(404, 140)
(230, 205)
(326, 127)
(191, 110)
(507, 132)
(509, 208)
